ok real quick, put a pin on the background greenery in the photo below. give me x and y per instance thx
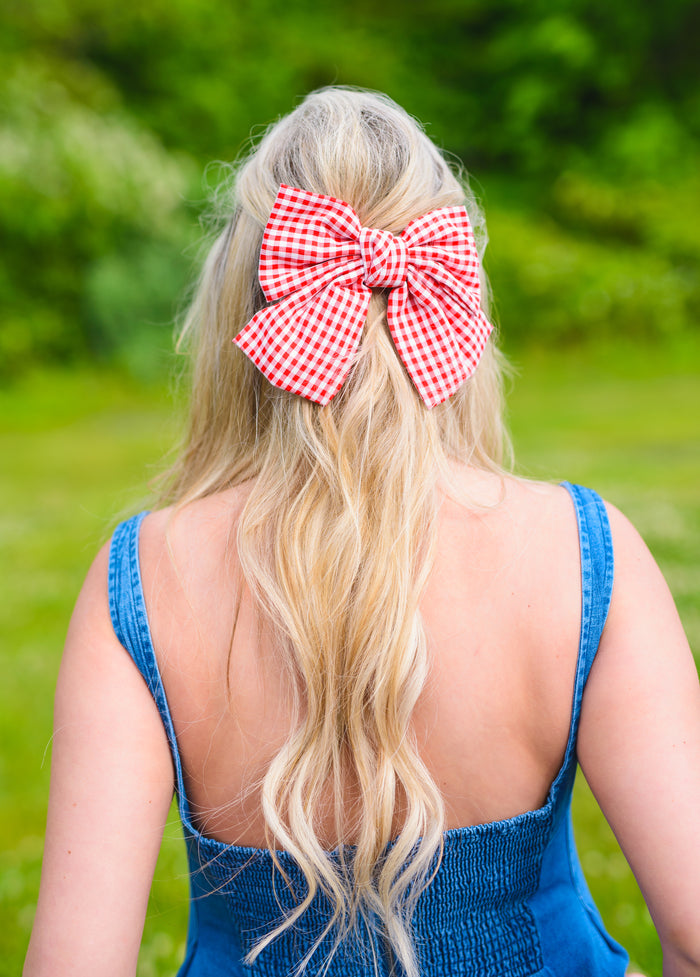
(580, 118)
(581, 122)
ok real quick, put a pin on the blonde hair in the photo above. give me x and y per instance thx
(336, 538)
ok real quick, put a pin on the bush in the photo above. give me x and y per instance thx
(597, 260)
(79, 181)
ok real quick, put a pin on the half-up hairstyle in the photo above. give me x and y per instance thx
(337, 535)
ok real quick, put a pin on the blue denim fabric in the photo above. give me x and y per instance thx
(509, 898)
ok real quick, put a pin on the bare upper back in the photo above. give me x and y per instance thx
(502, 617)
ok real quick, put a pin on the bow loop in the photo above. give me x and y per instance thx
(384, 258)
(318, 266)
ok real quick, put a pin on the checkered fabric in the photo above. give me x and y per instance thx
(318, 266)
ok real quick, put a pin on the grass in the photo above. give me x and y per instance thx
(79, 449)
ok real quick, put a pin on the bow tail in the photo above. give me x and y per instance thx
(438, 338)
(308, 346)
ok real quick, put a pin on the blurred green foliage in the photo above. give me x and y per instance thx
(581, 119)
(91, 209)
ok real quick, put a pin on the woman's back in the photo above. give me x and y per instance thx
(412, 646)
(501, 610)
(507, 893)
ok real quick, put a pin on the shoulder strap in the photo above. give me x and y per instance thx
(127, 608)
(596, 552)
(597, 567)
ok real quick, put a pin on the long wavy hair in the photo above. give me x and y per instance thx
(337, 535)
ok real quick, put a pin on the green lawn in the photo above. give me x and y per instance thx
(78, 450)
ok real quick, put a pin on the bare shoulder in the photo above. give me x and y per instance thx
(644, 648)
(185, 531)
(546, 514)
(639, 738)
(640, 589)
(91, 627)
(625, 534)
(191, 578)
(490, 492)
(524, 529)
(110, 767)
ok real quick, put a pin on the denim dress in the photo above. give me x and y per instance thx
(508, 900)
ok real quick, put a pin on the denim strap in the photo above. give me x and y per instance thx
(127, 609)
(596, 551)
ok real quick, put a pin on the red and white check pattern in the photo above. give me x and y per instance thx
(319, 265)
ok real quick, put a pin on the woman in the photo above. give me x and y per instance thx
(372, 658)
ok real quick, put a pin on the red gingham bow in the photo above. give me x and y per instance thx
(318, 264)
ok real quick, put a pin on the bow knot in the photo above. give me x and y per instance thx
(318, 266)
(384, 258)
